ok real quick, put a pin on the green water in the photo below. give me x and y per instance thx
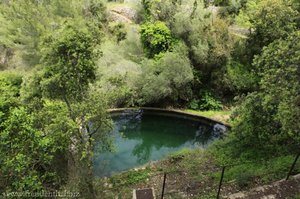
(140, 138)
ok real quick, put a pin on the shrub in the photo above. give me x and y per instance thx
(205, 103)
(239, 77)
(118, 30)
(156, 38)
(130, 177)
(208, 102)
(166, 78)
(178, 155)
(194, 104)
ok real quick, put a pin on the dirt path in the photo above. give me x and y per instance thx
(279, 189)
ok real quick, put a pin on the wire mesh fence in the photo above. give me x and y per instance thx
(216, 181)
(213, 184)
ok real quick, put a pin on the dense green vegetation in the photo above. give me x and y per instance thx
(64, 63)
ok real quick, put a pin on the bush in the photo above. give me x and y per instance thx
(208, 102)
(205, 103)
(156, 38)
(221, 2)
(194, 104)
(168, 78)
(134, 177)
(118, 31)
(10, 84)
(239, 77)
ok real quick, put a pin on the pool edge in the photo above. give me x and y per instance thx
(174, 111)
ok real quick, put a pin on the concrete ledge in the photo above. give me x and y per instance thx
(171, 112)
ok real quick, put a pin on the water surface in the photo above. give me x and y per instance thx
(143, 137)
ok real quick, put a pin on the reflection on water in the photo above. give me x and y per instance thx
(140, 138)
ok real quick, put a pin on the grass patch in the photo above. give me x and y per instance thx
(207, 195)
(191, 161)
(295, 197)
(179, 155)
(248, 174)
(198, 169)
(130, 177)
(209, 113)
(223, 116)
(184, 159)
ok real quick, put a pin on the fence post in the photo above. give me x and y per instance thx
(293, 165)
(164, 183)
(221, 180)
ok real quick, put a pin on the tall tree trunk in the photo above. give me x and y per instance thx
(86, 165)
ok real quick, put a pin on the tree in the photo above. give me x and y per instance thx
(65, 75)
(29, 149)
(27, 22)
(29, 154)
(166, 79)
(238, 78)
(10, 84)
(279, 70)
(160, 10)
(268, 118)
(69, 63)
(206, 36)
(272, 20)
(156, 38)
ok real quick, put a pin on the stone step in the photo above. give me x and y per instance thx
(147, 193)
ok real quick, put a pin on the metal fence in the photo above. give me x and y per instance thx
(162, 193)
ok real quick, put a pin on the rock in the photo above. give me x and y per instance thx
(174, 182)
(123, 14)
(132, 1)
(118, 18)
(128, 12)
(5, 56)
(219, 129)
